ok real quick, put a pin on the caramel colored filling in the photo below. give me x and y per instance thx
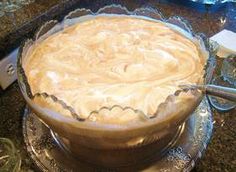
(114, 60)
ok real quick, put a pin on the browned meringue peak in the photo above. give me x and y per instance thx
(114, 60)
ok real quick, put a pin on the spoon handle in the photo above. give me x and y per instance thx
(220, 91)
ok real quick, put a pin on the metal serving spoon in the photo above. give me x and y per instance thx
(214, 90)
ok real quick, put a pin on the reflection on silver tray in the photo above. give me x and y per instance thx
(191, 143)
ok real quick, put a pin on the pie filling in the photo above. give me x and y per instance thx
(114, 60)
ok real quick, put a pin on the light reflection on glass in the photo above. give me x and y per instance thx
(222, 21)
(211, 2)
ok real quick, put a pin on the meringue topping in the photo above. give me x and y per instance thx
(114, 60)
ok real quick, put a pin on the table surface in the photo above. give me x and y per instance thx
(220, 154)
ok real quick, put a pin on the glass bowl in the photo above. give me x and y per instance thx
(100, 141)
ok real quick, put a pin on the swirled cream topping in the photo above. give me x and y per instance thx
(114, 60)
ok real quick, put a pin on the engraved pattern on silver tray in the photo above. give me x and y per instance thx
(189, 147)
